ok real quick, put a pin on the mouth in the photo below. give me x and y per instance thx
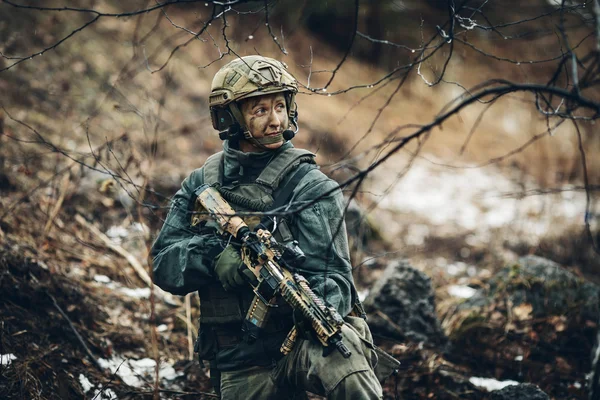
(272, 133)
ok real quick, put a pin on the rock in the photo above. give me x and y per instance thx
(534, 288)
(548, 287)
(535, 320)
(401, 306)
(594, 381)
(523, 391)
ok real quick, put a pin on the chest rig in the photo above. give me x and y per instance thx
(270, 190)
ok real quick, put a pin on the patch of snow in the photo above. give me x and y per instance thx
(491, 384)
(105, 394)
(85, 383)
(117, 233)
(132, 371)
(455, 268)
(6, 359)
(416, 235)
(139, 227)
(101, 278)
(139, 293)
(471, 270)
(593, 375)
(464, 292)
(362, 294)
(169, 373)
(475, 200)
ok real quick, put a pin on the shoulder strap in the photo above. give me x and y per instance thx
(279, 167)
(213, 169)
(283, 194)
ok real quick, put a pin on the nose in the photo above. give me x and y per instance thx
(274, 119)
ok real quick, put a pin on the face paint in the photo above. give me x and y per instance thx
(264, 116)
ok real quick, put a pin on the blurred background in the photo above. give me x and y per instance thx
(471, 125)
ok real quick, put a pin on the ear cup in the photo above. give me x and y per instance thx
(233, 132)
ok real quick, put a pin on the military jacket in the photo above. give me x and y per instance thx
(183, 255)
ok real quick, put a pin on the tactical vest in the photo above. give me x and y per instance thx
(216, 305)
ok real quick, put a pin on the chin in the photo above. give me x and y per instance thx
(274, 146)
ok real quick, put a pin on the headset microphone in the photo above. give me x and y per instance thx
(288, 134)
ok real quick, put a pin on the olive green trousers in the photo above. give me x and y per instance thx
(305, 369)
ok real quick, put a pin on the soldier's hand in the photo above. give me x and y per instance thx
(227, 266)
(303, 326)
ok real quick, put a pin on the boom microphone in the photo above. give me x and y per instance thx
(288, 134)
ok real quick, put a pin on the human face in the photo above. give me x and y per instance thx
(264, 116)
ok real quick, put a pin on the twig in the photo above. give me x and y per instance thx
(188, 323)
(596, 9)
(116, 248)
(389, 320)
(188, 315)
(281, 47)
(586, 182)
(64, 185)
(79, 338)
(130, 258)
(343, 60)
(177, 392)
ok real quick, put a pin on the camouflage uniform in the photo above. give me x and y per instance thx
(183, 261)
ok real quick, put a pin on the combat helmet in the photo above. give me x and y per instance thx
(247, 77)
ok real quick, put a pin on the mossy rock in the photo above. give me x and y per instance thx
(548, 287)
(524, 391)
(534, 314)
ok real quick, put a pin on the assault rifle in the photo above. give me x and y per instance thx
(270, 262)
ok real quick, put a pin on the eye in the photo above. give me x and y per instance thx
(281, 106)
(259, 111)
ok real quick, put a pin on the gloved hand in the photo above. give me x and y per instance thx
(303, 326)
(227, 266)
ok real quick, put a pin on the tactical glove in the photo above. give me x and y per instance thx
(303, 326)
(227, 266)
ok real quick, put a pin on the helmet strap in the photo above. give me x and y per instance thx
(268, 140)
(237, 114)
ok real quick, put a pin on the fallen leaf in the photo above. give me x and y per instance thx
(522, 312)
(559, 323)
